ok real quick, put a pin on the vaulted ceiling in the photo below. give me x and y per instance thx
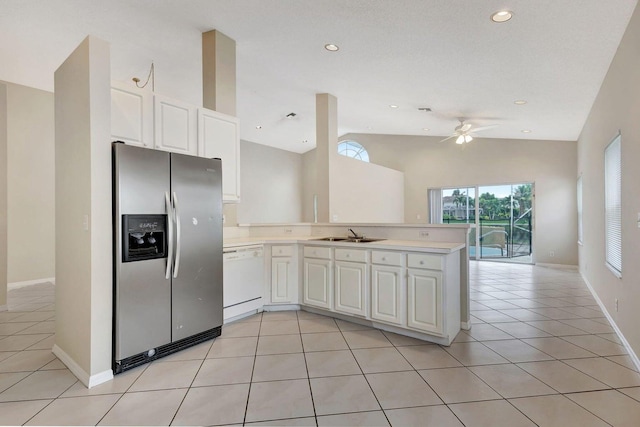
(446, 55)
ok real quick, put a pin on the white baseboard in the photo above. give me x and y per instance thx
(18, 285)
(282, 307)
(558, 266)
(4, 307)
(465, 326)
(86, 379)
(625, 343)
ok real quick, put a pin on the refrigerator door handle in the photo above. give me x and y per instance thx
(176, 212)
(167, 203)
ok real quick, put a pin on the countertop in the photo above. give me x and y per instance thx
(389, 244)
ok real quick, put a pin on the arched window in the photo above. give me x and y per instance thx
(354, 150)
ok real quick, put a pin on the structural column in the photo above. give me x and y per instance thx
(326, 150)
(84, 281)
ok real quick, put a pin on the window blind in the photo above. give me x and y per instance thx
(613, 205)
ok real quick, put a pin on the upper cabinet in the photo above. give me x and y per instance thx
(140, 117)
(175, 126)
(219, 136)
(131, 115)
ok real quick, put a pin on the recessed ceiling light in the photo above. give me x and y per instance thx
(520, 102)
(526, 130)
(258, 127)
(393, 106)
(331, 47)
(291, 115)
(425, 129)
(305, 141)
(501, 16)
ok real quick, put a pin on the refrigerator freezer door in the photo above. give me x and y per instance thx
(142, 318)
(196, 187)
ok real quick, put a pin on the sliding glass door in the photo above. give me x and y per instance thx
(503, 215)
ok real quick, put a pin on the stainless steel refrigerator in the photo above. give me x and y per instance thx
(167, 253)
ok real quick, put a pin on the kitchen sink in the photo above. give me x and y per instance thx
(348, 239)
(332, 239)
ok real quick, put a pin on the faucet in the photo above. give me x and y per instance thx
(355, 236)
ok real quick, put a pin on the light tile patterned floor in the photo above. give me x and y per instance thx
(540, 353)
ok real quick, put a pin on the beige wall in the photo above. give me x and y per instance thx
(617, 107)
(31, 185)
(308, 185)
(3, 197)
(365, 192)
(271, 185)
(83, 211)
(550, 165)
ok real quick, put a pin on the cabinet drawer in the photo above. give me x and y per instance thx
(281, 251)
(317, 252)
(354, 255)
(386, 258)
(432, 262)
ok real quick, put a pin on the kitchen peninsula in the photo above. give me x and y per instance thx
(410, 279)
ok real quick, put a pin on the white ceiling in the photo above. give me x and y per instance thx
(442, 54)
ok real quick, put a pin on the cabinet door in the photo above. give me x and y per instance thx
(351, 279)
(219, 136)
(176, 126)
(386, 294)
(131, 115)
(280, 279)
(425, 300)
(318, 283)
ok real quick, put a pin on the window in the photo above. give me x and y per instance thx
(354, 150)
(579, 204)
(613, 206)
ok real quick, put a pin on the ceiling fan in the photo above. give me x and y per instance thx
(463, 132)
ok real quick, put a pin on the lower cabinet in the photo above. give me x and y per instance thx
(317, 282)
(284, 272)
(424, 300)
(351, 284)
(386, 293)
(281, 279)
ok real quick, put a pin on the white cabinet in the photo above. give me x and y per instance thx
(317, 280)
(283, 275)
(351, 281)
(131, 115)
(425, 300)
(219, 136)
(175, 126)
(386, 293)
(350, 285)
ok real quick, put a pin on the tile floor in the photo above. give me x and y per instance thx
(540, 353)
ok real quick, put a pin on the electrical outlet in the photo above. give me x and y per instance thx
(420, 217)
(552, 254)
(616, 304)
(423, 234)
(288, 231)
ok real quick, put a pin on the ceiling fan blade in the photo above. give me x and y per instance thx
(448, 138)
(465, 127)
(480, 129)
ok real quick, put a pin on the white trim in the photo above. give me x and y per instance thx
(18, 285)
(4, 307)
(86, 379)
(625, 343)
(466, 326)
(282, 307)
(559, 266)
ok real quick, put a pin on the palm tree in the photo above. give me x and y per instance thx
(523, 196)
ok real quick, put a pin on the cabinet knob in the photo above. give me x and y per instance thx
(384, 258)
(348, 255)
(421, 262)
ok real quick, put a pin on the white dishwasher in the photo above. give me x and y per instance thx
(243, 280)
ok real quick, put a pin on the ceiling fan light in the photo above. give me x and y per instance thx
(468, 138)
(460, 139)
